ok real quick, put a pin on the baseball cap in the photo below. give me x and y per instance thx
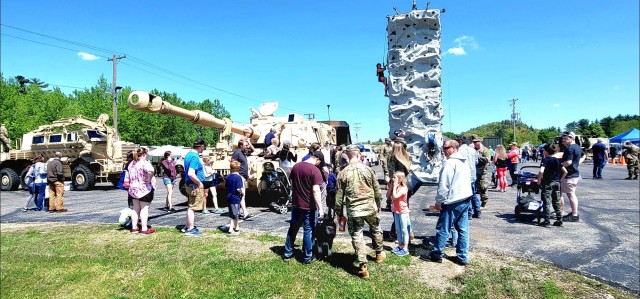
(198, 142)
(475, 138)
(569, 134)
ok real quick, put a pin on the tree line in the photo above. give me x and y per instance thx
(25, 105)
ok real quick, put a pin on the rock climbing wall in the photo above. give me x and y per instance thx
(415, 97)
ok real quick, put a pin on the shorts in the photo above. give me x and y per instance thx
(168, 181)
(195, 201)
(208, 184)
(146, 198)
(569, 185)
(234, 211)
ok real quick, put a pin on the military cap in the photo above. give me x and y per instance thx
(352, 148)
(475, 138)
(387, 139)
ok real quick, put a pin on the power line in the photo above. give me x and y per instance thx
(135, 59)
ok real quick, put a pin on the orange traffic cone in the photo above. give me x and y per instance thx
(613, 161)
(622, 161)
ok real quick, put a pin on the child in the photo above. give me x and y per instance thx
(551, 171)
(400, 208)
(235, 191)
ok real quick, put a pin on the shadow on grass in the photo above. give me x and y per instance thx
(336, 260)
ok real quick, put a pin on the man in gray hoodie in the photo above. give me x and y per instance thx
(453, 199)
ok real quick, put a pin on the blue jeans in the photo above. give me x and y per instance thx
(598, 166)
(299, 217)
(455, 215)
(475, 201)
(39, 193)
(403, 226)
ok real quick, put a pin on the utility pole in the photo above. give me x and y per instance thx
(515, 117)
(329, 113)
(356, 126)
(115, 91)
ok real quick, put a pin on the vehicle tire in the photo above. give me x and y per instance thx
(518, 213)
(82, 178)
(283, 209)
(9, 180)
(23, 179)
(114, 179)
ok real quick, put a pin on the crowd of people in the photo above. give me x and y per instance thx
(350, 188)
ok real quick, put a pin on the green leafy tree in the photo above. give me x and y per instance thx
(38, 82)
(607, 125)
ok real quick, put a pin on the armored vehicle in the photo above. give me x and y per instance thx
(292, 127)
(91, 152)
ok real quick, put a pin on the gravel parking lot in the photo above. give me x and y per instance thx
(603, 245)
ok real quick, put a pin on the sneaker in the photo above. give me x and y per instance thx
(431, 258)
(218, 211)
(166, 209)
(309, 261)
(381, 256)
(361, 271)
(248, 216)
(402, 252)
(234, 232)
(205, 212)
(224, 228)
(148, 231)
(193, 232)
(558, 223)
(457, 260)
(477, 214)
(287, 258)
(545, 224)
(572, 219)
(62, 210)
(395, 250)
(25, 209)
(172, 210)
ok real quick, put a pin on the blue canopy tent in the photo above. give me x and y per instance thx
(632, 135)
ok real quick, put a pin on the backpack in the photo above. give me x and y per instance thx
(123, 182)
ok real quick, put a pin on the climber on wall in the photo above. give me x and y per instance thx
(381, 78)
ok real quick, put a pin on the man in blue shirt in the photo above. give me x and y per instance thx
(193, 182)
(270, 135)
(599, 158)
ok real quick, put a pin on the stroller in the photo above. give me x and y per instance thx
(274, 184)
(527, 203)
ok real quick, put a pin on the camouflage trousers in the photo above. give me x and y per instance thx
(482, 184)
(385, 169)
(632, 168)
(6, 143)
(356, 227)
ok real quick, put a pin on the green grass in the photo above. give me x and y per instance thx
(100, 261)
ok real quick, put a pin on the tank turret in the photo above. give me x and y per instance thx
(300, 132)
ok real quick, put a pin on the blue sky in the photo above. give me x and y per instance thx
(563, 60)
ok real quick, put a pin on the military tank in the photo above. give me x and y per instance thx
(292, 127)
(92, 152)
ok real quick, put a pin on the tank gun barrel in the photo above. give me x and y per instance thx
(146, 102)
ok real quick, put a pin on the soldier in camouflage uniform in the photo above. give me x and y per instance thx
(336, 159)
(385, 153)
(482, 172)
(4, 138)
(631, 152)
(357, 189)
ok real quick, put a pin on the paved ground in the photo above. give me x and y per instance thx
(604, 245)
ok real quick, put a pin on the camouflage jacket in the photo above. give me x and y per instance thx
(358, 189)
(483, 159)
(631, 152)
(385, 152)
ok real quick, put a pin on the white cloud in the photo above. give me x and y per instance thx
(556, 105)
(463, 42)
(87, 56)
(456, 51)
